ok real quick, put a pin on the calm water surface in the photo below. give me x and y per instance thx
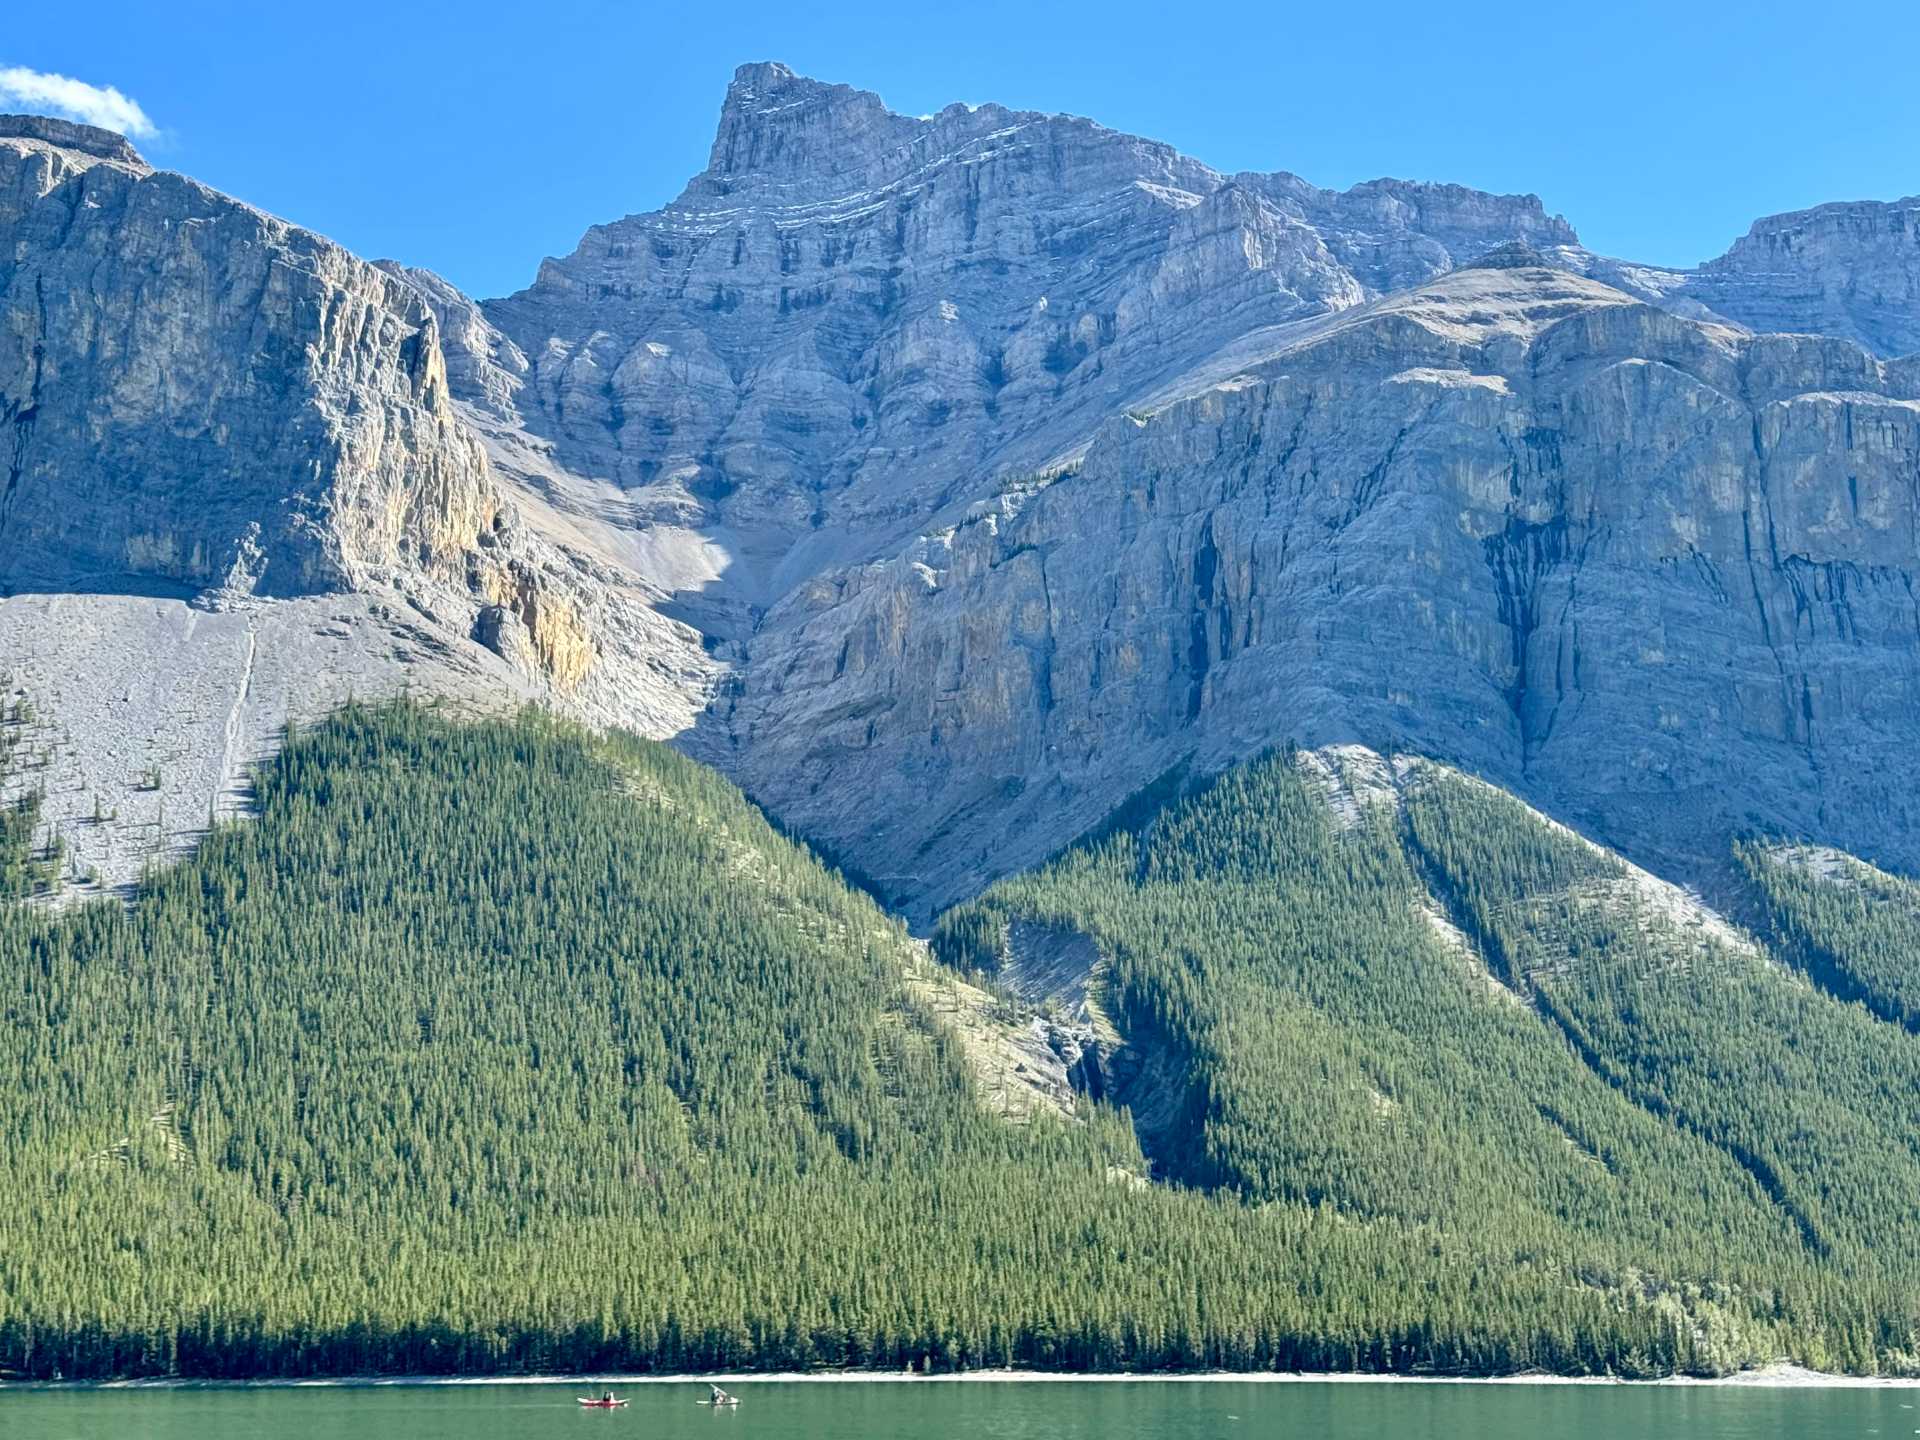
(1059, 1410)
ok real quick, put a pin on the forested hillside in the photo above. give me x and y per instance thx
(1854, 928)
(1446, 1010)
(492, 1046)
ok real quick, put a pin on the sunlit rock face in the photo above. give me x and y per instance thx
(235, 490)
(1030, 462)
(949, 479)
(1046, 461)
(199, 393)
(1850, 269)
(853, 319)
(1656, 573)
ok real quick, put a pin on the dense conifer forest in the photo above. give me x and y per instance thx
(1448, 1011)
(1852, 927)
(495, 1046)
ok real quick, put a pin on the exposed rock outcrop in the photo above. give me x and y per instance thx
(948, 480)
(89, 140)
(200, 396)
(1653, 573)
(1024, 461)
(1850, 269)
(853, 318)
(204, 408)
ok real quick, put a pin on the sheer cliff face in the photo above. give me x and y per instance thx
(1051, 461)
(196, 394)
(949, 479)
(1850, 269)
(234, 490)
(1655, 573)
(853, 318)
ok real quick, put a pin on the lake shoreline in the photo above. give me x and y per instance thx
(1778, 1377)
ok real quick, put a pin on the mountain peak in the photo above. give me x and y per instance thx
(1849, 268)
(1851, 228)
(775, 122)
(70, 135)
(758, 77)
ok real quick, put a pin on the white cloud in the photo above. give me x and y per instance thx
(75, 99)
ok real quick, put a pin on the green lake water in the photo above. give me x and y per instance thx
(1014, 1410)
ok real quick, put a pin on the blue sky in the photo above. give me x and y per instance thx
(475, 138)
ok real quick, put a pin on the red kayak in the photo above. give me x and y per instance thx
(603, 1404)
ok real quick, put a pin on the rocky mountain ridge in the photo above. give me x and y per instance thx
(1655, 574)
(853, 318)
(236, 490)
(949, 479)
(1846, 269)
(302, 391)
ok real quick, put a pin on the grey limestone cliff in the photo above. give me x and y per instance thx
(1655, 574)
(199, 395)
(948, 479)
(853, 318)
(1029, 462)
(235, 488)
(1850, 269)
